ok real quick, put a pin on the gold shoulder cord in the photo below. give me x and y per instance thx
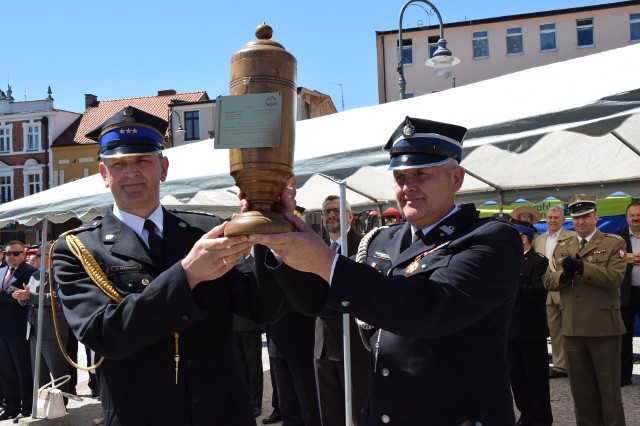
(98, 276)
(361, 257)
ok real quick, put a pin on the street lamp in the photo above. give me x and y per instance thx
(442, 59)
(179, 131)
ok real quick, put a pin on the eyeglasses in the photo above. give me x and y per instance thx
(13, 253)
(327, 212)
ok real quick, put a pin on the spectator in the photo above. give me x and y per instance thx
(588, 271)
(630, 289)
(545, 244)
(16, 378)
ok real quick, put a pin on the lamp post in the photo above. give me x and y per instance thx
(442, 59)
(180, 130)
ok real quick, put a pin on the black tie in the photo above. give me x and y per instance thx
(156, 247)
(417, 236)
(583, 242)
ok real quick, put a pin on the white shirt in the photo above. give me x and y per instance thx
(551, 241)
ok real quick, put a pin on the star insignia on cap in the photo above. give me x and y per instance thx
(408, 130)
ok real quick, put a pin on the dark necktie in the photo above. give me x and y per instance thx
(156, 246)
(417, 236)
(583, 242)
(7, 278)
(335, 246)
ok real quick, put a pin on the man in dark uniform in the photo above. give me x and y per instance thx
(158, 302)
(588, 271)
(329, 346)
(438, 308)
(527, 339)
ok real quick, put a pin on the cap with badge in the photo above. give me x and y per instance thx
(418, 143)
(524, 227)
(130, 132)
(581, 204)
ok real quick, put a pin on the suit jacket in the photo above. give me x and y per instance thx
(590, 303)
(291, 335)
(529, 316)
(329, 324)
(442, 307)
(48, 329)
(540, 244)
(625, 288)
(13, 314)
(136, 336)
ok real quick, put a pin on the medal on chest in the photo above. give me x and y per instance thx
(413, 266)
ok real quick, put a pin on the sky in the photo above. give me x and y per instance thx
(121, 49)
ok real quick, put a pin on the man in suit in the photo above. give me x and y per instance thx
(160, 310)
(527, 339)
(52, 362)
(587, 272)
(247, 336)
(545, 244)
(437, 308)
(15, 360)
(329, 347)
(630, 289)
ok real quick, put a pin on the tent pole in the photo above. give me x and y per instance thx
(497, 188)
(43, 269)
(625, 142)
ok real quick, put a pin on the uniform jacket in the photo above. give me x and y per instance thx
(291, 336)
(13, 314)
(442, 307)
(329, 324)
(529, 316)
(539, 244)
(625, 288)
(137, 378)
(590, 304)
(48, 329)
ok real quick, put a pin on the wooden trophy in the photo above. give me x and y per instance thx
(264, 66)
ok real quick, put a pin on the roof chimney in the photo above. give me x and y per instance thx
(89, 100)
(166, 92)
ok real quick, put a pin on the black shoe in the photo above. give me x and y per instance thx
(24, 413)
(625, 382)
(6, 415)
(555, 374)
(257, 411)
(274, 417)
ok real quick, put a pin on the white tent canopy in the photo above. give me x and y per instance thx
(553, 130)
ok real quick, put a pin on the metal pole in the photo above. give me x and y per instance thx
(346, 332)
(43, 269)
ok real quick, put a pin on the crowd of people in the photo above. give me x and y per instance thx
(449, 312)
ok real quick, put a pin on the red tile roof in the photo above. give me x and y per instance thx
(100, 111)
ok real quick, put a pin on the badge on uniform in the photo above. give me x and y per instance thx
(416, 262)
(621, 253)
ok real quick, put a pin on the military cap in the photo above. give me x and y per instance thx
(418, 143)
(581, 204)
(524, 227)
(130, 132)
(535, 214)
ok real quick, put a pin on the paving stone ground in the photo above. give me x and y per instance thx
(82, 413)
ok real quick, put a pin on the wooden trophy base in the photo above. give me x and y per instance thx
(255, 222)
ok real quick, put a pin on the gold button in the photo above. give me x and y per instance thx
(145, 281)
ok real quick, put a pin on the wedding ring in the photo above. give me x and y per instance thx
(224, 261)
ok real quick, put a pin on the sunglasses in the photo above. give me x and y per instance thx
(13, 253)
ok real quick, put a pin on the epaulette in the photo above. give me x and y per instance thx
(187, 212)
(541, 255)
(616, 236)
(86, 227)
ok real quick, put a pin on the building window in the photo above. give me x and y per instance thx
(192, 125)
(32, 137)
(407, 51)
(547, 37)
(514, 41)
(433, 45)
(585, 32)
(5, 138)
(634, 26)
(33, 184)
(6, 189)
(480, 44)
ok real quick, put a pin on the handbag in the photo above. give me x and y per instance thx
(51, 399)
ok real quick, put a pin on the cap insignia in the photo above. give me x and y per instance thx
(408, 130)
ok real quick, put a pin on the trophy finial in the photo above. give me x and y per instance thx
(264, 32)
